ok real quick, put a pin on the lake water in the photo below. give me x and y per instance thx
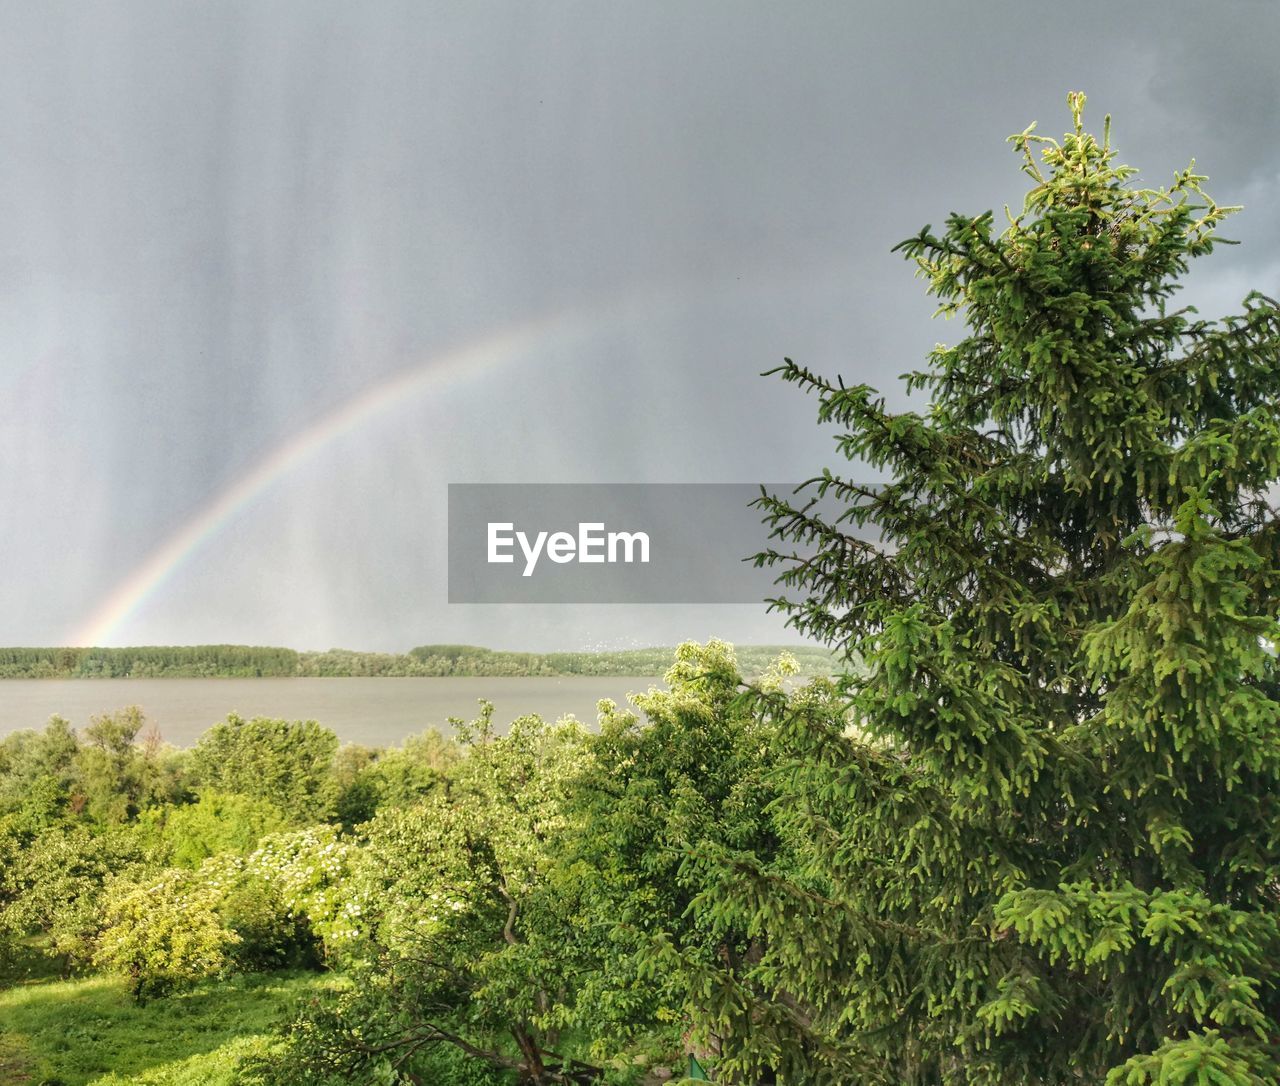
(376, 712)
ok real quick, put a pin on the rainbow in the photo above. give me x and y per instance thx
(464, 363)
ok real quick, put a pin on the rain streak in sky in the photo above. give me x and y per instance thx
(274, 275)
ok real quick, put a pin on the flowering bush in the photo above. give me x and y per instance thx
(311, 872)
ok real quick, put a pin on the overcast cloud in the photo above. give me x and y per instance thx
(224, 221)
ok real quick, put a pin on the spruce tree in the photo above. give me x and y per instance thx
(1045, 846)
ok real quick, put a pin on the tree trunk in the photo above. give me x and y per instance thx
(534, 1071)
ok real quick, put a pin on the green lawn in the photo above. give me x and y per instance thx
(71, 1033)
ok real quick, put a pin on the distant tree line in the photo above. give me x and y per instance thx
(812, 660)
(148, 661)
(426, 661)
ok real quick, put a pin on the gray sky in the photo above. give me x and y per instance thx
(585, 228)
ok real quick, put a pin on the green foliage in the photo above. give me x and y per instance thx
(108, 776)
(509, 910)
(812, 660)
(288, 763)
(528, 914)
(185, 835)
(35, 775)
(162, 933)
(1050, 851)
(347, 662)
(398, 777)
(147, 662)
(309, 872)
(52, 886)
(244, 661)
(659, 794)
(448, 922)
(114, 776)
(271, 925)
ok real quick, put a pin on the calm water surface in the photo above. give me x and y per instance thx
(376, 712)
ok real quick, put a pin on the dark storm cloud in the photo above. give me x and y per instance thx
(1217, 89)
(224, 221)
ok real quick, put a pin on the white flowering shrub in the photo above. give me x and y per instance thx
(311, 872)
(272, 933)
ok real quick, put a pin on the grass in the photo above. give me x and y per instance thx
(76, 1032)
